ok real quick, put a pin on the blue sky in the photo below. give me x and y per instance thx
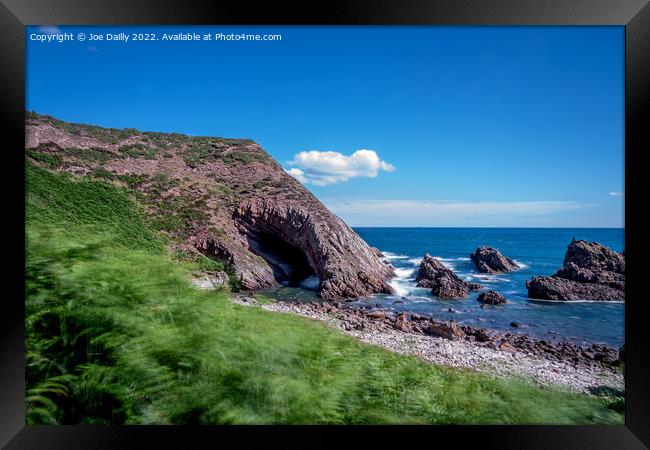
(458, 126)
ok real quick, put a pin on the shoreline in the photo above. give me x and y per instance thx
(540, 362)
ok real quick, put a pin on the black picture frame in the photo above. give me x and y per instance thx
(634, 15)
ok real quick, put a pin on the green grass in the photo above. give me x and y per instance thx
(101, 172)
(107, 135)
(90, 155)
(49, 160)
(245, 157)
(198, 152)
(138, 151)
(80, 204)
(116, 334)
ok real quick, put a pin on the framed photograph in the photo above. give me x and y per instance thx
(239, 219)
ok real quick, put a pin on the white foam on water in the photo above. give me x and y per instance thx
(520, 264)
(311, 282)
(486, 278)
(414, 261)
(402, 288)
(451, 259)
(605, 302)
(420, 299)
(404, 273)
(391, 255)
(445, 262)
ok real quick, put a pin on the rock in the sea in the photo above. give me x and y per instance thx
(595, 257)
(490, 260)
(591, 272)
(492, 298)
(443, 282)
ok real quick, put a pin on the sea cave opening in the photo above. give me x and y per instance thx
(290, 264)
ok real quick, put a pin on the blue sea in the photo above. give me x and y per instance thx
(539, 251)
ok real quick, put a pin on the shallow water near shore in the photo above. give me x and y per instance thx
(539, 251)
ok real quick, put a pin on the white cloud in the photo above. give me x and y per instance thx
(449, 213)
(297, 174)
(616, 194)
(323, 168)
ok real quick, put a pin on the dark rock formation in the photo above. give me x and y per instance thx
(591, 272)
(443, 282)
(492, 298)
(234, 203)
(490, 260)
(595, 257)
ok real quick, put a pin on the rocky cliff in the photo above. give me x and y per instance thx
(225, 198)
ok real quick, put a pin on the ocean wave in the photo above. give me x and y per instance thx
(486, 278)
(447, 262)
(452, 259)
(414, 261)
(390, 255)
(520, 264)
(402, 288)
(404, 273)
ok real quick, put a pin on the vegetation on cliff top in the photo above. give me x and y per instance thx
(148, 145)
(116, 334)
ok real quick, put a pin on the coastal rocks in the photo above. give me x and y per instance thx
(492, 298)
(591, 272)
(402, 323)
(479, 334)
(490, 260)
(507, 347)
(447, 330)
(555, 288)
(595, 257)
(443, 282)
(353, 317)
(211, 281)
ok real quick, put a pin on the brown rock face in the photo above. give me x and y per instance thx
(443, 282)
(301, 238)
(591, 272)
(490, 260)
(447, 330)
(402, 323)
(595, 257)
(228, 198)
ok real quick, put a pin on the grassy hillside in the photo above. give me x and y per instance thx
(116, 334)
